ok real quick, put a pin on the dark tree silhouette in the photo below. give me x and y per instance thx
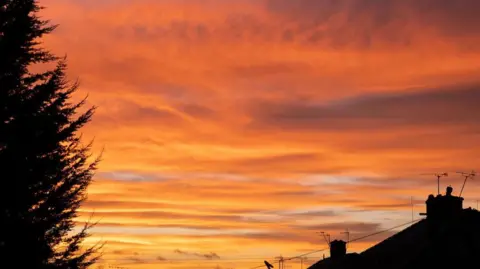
(44, 168)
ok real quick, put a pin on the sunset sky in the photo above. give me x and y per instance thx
(235, 130)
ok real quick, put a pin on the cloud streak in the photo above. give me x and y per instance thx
(425, 108)
(208, 256)
(243, 126)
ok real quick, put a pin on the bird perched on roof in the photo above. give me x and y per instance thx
(268, 265)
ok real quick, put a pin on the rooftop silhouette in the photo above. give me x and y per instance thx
(447, 237)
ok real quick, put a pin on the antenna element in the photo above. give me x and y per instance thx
(469, 175)
(438, 179)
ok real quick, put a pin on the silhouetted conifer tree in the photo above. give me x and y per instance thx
(44, 169)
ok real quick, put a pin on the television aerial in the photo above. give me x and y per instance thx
(438, 179)
(467, 175)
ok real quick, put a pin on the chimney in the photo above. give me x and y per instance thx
(338, 249)
(444, 207)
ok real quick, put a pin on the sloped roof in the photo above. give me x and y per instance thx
(397, 250)
(426, 244)
(406, 244)
(350, 261)
(429, 244)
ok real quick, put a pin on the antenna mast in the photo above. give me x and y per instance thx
(280, 262)
(411, 203)
(470, 175)
(302, 259)
(348, 235)
(438, 179)
(326, 237)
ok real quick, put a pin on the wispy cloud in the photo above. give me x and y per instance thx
(209, 256)
(243, 126)
(452, 107)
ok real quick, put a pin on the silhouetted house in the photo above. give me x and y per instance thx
(449, 237)
(339, 257)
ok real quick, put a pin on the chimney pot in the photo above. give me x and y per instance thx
(338, 249)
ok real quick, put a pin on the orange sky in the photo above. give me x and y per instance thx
(234, 130)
